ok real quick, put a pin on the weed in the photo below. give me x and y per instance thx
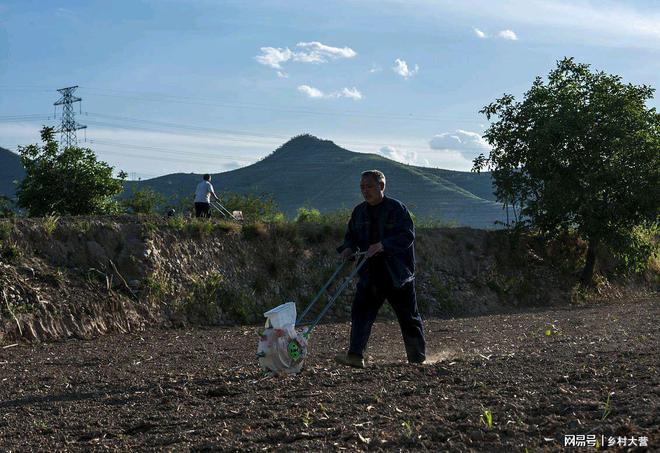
(487, 419)
(307, 420)
(408, 430)
(10, 252)
(148, 229)
(211, 294)
(552, 330)
(50, 224)
(56, 278)
(256, 230)
(81, 227)
(42, 426)
(6, 229)
(176, 223)
(199, 228)
(607, 410)
(227, 226)
(157, 287)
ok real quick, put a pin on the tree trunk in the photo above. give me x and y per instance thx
(588, 271)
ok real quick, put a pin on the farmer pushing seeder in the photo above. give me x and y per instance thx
(381, 226)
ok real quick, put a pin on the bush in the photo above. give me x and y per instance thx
(66, 182)
(308, 215)
(254, 207)
(143, 201)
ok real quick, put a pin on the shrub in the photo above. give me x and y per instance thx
(143, 201)
(66, 182)
(254, 207)
(308, 215)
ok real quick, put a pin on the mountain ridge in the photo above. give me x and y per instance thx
(308, 171)
(11, 169)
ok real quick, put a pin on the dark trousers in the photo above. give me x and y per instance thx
(369, 297)
(202, 209)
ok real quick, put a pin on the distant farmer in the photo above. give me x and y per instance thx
(382, 227)
(203, 194)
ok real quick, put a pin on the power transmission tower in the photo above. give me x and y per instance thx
(69, 126)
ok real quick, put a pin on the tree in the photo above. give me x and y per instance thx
(581, 152)
(143, 201)
(67, 182)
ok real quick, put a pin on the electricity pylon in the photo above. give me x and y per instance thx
(69, 126)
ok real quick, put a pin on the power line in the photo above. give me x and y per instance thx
(166, 98)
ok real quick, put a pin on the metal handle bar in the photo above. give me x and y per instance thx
(222, 211)
(337, 293)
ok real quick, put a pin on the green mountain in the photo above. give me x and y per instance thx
(11, 171)
(307, 171)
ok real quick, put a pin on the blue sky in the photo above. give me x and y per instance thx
(207, 86)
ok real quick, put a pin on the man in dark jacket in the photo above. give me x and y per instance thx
(383, 228)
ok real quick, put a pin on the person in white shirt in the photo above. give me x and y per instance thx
(203, 194)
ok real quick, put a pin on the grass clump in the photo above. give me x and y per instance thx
(6, 229)
(211, 296)
(50, 224)
(255, 231)
(10, 252)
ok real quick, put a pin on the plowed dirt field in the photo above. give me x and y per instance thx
(493, 383)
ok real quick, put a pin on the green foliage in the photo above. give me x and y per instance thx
(308, 215)
(634, 250)
(6, 207)
(487, 419)
(578, 152)
(50, 224)
(143, 201)
(211, 294)
(6, 229)
(177, 223)
(9, 252)
(254, 207)
(66, 182)
(607, 410)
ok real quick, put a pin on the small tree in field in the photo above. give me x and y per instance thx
(66, 182)
(581, 152)
(143, 201)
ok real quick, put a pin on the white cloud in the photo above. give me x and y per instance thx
(311, 91)
(469, 144)
(272, 57)
(312, 52)
(605, 22)
(480, 33)
(351, 93)
(508, 34)
(401, 68)
(315, 93)
(320, 52)
(282, 75)
(503, 34)
(399, 155)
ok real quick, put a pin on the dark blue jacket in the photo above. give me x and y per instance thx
(397, 234)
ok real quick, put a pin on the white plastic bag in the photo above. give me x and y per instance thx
(281, 348)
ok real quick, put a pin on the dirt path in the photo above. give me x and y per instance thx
(541, 375)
